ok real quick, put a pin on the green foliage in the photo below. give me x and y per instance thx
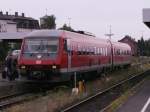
(48, 22)
(144, 47)
(5, 47)
(67, 28)
(3, 50)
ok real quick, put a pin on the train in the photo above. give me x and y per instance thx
(56, 55)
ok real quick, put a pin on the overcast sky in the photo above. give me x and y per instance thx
(125, 16)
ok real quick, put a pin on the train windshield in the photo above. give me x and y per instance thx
(41, 46)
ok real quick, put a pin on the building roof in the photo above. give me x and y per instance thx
(20, 20)
(128, 38)
(12, 17)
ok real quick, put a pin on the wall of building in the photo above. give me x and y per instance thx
(7, 26)
(132, 44)
(3, 26)
(17, 23)
(11, 27)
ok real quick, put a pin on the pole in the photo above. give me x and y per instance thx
(110, 34)
(46, 11)
(75, 79)
(69, 22)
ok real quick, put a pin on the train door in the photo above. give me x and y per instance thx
(69, 54)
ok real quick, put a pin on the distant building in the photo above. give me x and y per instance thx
(17, 23)
(42, 20)
(132, 43)
(47, 22)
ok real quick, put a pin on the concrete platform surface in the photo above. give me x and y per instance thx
(140, 102)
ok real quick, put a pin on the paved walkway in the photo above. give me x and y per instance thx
(140, 102)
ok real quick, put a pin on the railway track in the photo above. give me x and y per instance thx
(98, 101)
(25, 95)
(16, 98)
(9, 100)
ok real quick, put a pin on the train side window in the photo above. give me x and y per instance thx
(125, 52)
(121, 52)
(106, 51)
(100, 51)
(95, 52)
(79, 52)
(87, 50)
(118, 52)
(71, 52)
(103, 51)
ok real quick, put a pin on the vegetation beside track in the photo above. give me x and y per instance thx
(58, 98)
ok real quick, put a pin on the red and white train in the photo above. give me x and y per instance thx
(56, 55)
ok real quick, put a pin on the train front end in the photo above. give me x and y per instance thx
(40, 58)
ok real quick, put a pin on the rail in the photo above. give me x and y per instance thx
(8, 100)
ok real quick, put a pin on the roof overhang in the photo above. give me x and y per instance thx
(12, 36)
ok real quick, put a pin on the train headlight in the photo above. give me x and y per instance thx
(54, 67)
(23, 67)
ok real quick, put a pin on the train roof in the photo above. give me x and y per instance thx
(45, 33)
(61, 33)
(75, 36)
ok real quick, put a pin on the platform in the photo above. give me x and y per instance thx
(140, 101)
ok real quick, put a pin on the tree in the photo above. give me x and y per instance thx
(65, 27)
(144, 47)
(48, 22)
(4, 47)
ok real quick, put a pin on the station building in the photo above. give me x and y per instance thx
(17, 23)
(14, 27)
(132, 43)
